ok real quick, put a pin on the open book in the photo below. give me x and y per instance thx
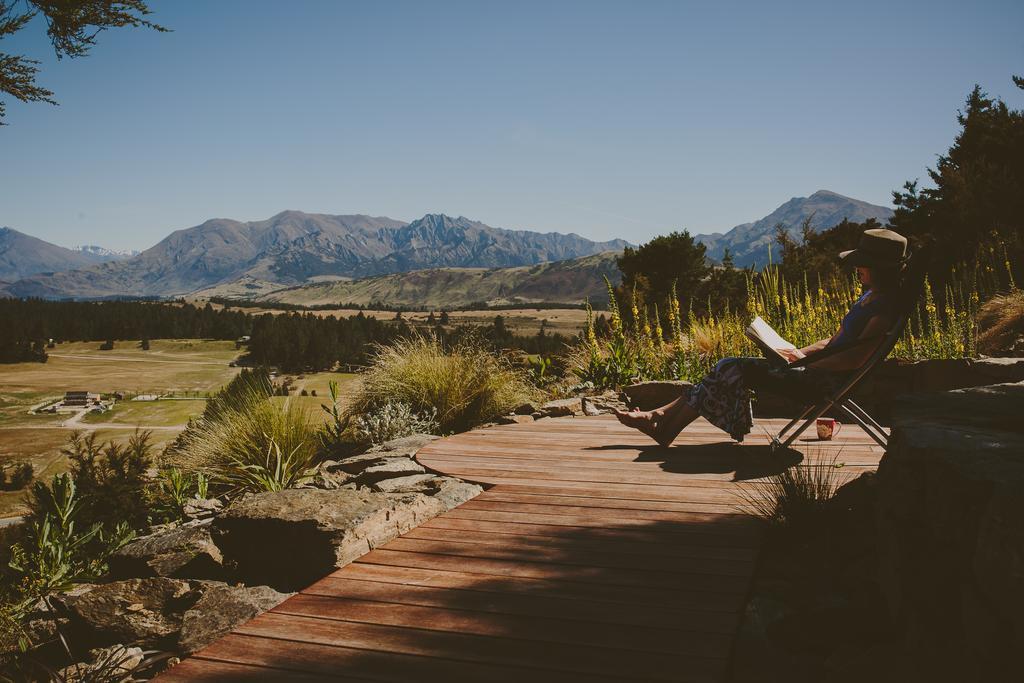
(769, 341)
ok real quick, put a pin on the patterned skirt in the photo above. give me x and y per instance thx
(723, 396)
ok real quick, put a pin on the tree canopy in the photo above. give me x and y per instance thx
(72, 26)
(978, 193)
(652, 267)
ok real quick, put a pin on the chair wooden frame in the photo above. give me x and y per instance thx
(839, 398)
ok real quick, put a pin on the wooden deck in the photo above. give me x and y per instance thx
(594, 556)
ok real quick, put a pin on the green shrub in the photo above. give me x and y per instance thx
(111, 478)
(465, 384)
(175, 488)
(59, 548)
(16, 476)
(277, 471)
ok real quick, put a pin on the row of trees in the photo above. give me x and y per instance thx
(296, 342)
(33, 320)
(305, 341)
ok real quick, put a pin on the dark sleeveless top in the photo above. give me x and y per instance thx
(857, 318)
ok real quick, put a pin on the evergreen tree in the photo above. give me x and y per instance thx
(978, 193)
(651, 268)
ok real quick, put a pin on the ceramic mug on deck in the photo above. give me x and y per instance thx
(827, 428)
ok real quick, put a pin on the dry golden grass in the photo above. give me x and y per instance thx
(1001, 323)
(466, 386)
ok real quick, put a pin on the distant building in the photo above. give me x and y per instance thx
(80, 398)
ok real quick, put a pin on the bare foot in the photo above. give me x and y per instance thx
(648, 422)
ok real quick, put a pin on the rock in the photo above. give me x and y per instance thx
(603, 404)
(451, 492)
(950, 519)
(288, 539)
(514, 419)
(220, 609)
(145, 612)
(114, 663)
(330, 475)
(411, 483)
(562, 408)
(999, 370)
(185, 552)
(402, 449)
(202, 508)
(391, 468)
(41, 625)
(526, 409)
(355, 464)
(407, 445)
(651, 395)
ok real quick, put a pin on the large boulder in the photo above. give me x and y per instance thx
(220, 609)
(288, 539)
(951, 530)
(185, 552)
(144, 612)
(161, 613)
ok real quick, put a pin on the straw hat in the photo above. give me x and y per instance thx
(878, 247)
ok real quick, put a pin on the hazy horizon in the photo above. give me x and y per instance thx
(604, 119)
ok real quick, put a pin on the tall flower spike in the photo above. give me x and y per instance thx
(613, 306)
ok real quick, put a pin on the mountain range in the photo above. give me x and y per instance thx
(22, 255)
(309, 258)
(293, 247)
(748, 243)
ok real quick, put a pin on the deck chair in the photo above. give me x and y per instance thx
(913, 285)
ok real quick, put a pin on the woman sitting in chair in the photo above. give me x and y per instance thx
(723, 396)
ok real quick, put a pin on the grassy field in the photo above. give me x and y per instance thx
(163, 413)
(181, 367)
(169, 366)
(318, 382)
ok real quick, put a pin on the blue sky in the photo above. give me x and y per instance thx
(609, 119)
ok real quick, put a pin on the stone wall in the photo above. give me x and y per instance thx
(951, 531)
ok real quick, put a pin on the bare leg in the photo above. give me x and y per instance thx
(675, 422)
(662, 424)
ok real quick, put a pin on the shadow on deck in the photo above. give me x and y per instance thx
(592, 555)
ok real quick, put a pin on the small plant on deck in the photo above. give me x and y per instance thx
(795, 498)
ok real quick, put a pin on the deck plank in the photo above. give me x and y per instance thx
(592, 555)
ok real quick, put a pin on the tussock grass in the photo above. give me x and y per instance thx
(795, 498)
(241, 432)
(463, 386)
(1001, 322)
